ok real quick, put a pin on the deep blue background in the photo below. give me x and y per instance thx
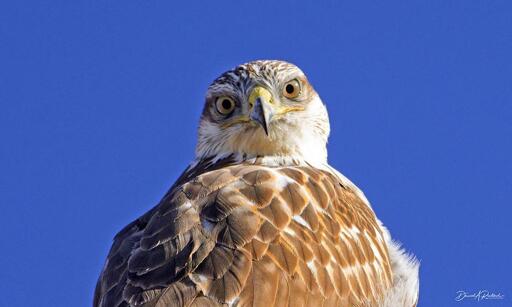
(100, 101)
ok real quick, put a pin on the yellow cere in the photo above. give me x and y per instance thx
(261, 92)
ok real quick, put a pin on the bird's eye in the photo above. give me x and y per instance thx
(225, 105)
(291, 89)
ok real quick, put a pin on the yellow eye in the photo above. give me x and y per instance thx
(291, 89)
(225, 105)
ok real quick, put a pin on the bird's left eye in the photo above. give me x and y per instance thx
(291, 89)
(225, 105)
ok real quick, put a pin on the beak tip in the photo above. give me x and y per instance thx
(260, 116)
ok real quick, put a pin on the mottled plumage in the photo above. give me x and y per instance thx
(259, 218)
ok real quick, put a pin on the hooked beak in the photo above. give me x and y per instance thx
(262, 111)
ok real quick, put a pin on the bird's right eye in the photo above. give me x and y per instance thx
(225, 105)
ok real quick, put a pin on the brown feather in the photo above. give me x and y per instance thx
(232, 233)
(261, 287)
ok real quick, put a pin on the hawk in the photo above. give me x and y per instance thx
(259, 218)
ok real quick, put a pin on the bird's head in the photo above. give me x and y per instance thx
(263, 108)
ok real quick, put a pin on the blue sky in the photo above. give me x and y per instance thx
(100, 101)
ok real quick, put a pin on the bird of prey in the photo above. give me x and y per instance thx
(259, 218)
